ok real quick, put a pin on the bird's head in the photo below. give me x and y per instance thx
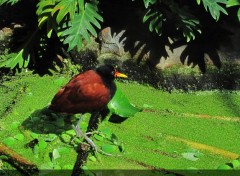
(108, 71)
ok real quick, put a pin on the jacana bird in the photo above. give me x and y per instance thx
(87, 92)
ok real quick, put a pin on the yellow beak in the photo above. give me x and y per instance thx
(120, 75)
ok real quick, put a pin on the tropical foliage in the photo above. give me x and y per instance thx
(74, 22)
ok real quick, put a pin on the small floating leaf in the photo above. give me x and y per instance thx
(9, 141)
(15, 125)
(34, 135)
(224, 167)
(109, 148)
(55, 154)
(190, 156)
(98, 137)
(235, 164)
(19, 137)
(92, 158)
(42, 144)
(50, 137)
(63, 150)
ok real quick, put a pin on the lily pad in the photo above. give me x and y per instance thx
(19, 137)
(235, 164)
(92, 158)
(224, 167)
(42, 144)
(9, 141)
(55, 154)
(50, 137)
(190, 156)
(15, 125)
(109, 148)
(120, 105)
(34, 135)
(63, 150)
(98, 137)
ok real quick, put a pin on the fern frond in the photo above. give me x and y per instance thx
(11, 2)
(63, 8)
(82, 26)
(215, 8)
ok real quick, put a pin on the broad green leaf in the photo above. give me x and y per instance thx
(82, 26)
(98, 137)
(19, 137)
(107, 148)
(34, 135)
(9, 141)
(198, 2)
(15, 125)
(120, 105)
(63, 150)
(55, 154)
(231, 3)
(92, 158)
(65, 7)
(50, 137)
(235, 163)
(215, 8)
(42, 144)
(224, 167)
(147, 3)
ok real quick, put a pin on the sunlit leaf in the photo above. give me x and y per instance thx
(224, 167)
(42, 144)
(9, 141)
(235, 163)
(98, 137)
(120, 105)
(107, 148)
(92, 158)
(19, 137)
(55, 154)
(231, 3)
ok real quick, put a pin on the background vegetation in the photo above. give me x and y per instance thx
(48, 29)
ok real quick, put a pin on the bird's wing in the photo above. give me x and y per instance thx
(84, 93)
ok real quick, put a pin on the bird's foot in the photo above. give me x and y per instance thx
(79, 133)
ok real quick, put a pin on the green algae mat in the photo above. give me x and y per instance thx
(175, 133)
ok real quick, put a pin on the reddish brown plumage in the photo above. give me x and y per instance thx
(86, 92)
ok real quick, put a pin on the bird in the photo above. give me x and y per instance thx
(87, 92)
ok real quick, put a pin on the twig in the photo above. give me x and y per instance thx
(23, 165)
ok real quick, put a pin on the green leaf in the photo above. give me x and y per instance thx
(98, 137)
(92, 158)
(215, 8)
(42, 144)
(231, 3)
(107, 133)
(50, 137)
(15, 125)
(189, 156)
(224, 167)
(235, 164)
(9, 141)
(107, 148)
(82, 26)
(34, 135)
(198, 2)
(19, 137)
(63, 150)
(65, 7)
(120, 105)
(56, 154)
(147, 3)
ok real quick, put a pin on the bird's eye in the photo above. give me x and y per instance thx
(113, 73)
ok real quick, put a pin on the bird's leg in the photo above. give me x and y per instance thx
(79, 133)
